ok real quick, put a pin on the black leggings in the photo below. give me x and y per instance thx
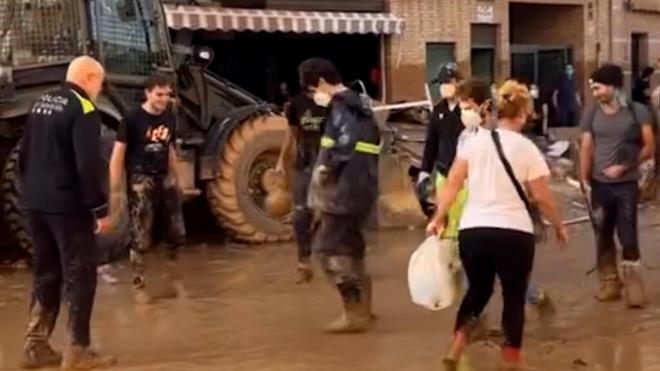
(485, 253)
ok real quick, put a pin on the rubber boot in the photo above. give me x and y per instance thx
(355, 317)
(634, 291)
(81, 358)
(39, 355)
(304, 272)
(37, 352)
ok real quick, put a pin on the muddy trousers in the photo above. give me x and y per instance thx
(348, 274)
(303, 216)
(339, 243)
(485, 254)
(615, 208)
(64, 261)
(148, 194)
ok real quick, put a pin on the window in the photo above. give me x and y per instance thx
(128, 36)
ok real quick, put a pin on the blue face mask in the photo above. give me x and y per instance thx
(570, 72)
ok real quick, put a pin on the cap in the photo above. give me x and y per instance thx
(608, 74)
(447, 72)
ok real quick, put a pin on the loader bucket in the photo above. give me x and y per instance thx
(398, 205)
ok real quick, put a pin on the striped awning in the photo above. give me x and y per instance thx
(258, 20)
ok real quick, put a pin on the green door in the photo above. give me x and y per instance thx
(483, 64)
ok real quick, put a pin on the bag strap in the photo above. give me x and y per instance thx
(509, 171)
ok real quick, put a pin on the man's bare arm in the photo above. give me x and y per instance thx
(586, 157)
(117, 165)
(287, 149)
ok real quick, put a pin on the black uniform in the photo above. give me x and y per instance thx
(150, 186)
(442, 135)
(346, 194)
(308, 119)
(62, 173)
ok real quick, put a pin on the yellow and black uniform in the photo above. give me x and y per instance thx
(344, 190)
(150, 185)
(62, 173)
(308, 121)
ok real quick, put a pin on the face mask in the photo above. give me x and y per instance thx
(534, 93)
(322, 99)
(570, 72)
(470, 118)
(447, 91)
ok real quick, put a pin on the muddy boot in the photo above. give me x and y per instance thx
(545, 307)
(305, 273)
(355, 317)
(79, 358)
(353, 320)
(610, 288)
(173, 281)
(39, 355)
(140, 294)
(634, 291)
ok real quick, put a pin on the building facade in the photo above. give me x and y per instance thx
(528, 39)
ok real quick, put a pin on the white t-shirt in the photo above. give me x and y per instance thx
(492, 201)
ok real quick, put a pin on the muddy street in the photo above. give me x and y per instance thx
(242, 312)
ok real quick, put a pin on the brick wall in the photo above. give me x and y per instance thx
(599, 33)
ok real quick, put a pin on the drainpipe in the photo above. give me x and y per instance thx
(610, 11)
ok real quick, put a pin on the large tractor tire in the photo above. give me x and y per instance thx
(112, 244)
(11, 190)
(237, 197)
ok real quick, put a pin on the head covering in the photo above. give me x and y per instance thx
(608, 74)
(446, 73)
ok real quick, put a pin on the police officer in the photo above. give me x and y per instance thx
(343, 191)
(145, 147)
(444, 128)
(62, 171)
(306, 125)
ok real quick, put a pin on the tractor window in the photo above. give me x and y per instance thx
(32, 31)
(129, 36)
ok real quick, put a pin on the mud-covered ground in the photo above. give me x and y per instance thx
(243, 313)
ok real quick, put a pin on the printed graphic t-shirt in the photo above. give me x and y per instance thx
(147, 138)
(309, 118)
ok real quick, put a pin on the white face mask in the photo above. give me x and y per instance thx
(534, 92)
(447, 91)
(322, 99)
(470, 118)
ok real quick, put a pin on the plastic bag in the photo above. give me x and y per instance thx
(432, 272)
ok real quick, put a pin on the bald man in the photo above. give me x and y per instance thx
(61, 170)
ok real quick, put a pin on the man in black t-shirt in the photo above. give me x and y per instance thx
(145, 147)
(306, 125)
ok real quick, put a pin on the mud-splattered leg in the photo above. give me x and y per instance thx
(141, 210)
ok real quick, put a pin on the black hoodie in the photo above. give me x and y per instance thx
(442, 135)
(354, 174)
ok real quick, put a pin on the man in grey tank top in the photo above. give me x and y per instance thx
(617, 136)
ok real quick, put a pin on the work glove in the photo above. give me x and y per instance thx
(422, 176)
(321, 175)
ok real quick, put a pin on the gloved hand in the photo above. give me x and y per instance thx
(321, 175)
(422, 176)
